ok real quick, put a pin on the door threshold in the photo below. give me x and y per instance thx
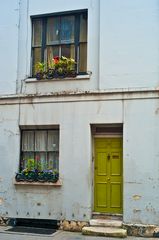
(114, 216)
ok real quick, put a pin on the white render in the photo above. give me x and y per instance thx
(121, 88)
(9, 25)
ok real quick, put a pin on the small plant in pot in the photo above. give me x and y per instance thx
(40, 69)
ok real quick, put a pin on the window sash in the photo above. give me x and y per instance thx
(40, 150)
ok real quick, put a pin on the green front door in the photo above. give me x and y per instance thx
(108, 175)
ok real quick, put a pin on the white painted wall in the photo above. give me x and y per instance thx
(129, 43)
(8, 46)
(141, 161)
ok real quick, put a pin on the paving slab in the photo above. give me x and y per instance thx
(60, 235)
(105, 231)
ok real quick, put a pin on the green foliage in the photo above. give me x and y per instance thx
(30, 164)
(40, 67)
(58, 67)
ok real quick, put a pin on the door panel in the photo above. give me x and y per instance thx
(102, 164)
(108, 175)
(102, 193)
(115, 190)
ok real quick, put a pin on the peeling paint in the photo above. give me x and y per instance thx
(1, 201)
(136, 210)
(150, 178)
(150, 209)
(133, 182)
(157, 111)
(136, 197)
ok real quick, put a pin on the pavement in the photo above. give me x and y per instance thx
(59, 235)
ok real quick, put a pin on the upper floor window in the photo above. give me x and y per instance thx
(60, 35)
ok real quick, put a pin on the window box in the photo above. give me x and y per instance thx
(37, 176)
(56, 184)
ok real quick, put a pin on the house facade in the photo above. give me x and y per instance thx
(100, 129)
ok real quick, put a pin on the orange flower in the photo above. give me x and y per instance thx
(56, 59)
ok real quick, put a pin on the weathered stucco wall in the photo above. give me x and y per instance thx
(74, 199)
(122, 53)
(141, 165)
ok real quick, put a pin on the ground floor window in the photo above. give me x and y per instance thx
(39, 154)
(40, 150)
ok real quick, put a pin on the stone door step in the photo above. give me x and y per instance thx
(105, 223)
(107, 216)
(104, 231)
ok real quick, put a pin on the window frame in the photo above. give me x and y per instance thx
(34, 152)
(43, 18)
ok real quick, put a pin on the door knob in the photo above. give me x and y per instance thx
(108, 157)
(108, 179)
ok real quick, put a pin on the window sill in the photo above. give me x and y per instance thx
(79, 77)
(57, 184)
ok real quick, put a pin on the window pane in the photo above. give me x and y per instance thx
(52, 52)
(40, 140)
(50, 160)
(37, 33)
(28, 141)
(67, 29)
(83, 57)
(53, 30)
(53, 161)
(53, 141)
(36, 57)
(68, 51)
(83, 28)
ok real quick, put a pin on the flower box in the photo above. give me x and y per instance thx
(37, 176)
(58, 68)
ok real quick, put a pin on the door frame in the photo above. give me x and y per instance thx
(105, 135)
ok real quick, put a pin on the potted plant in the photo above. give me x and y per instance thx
(40, 70)
(58, 68)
